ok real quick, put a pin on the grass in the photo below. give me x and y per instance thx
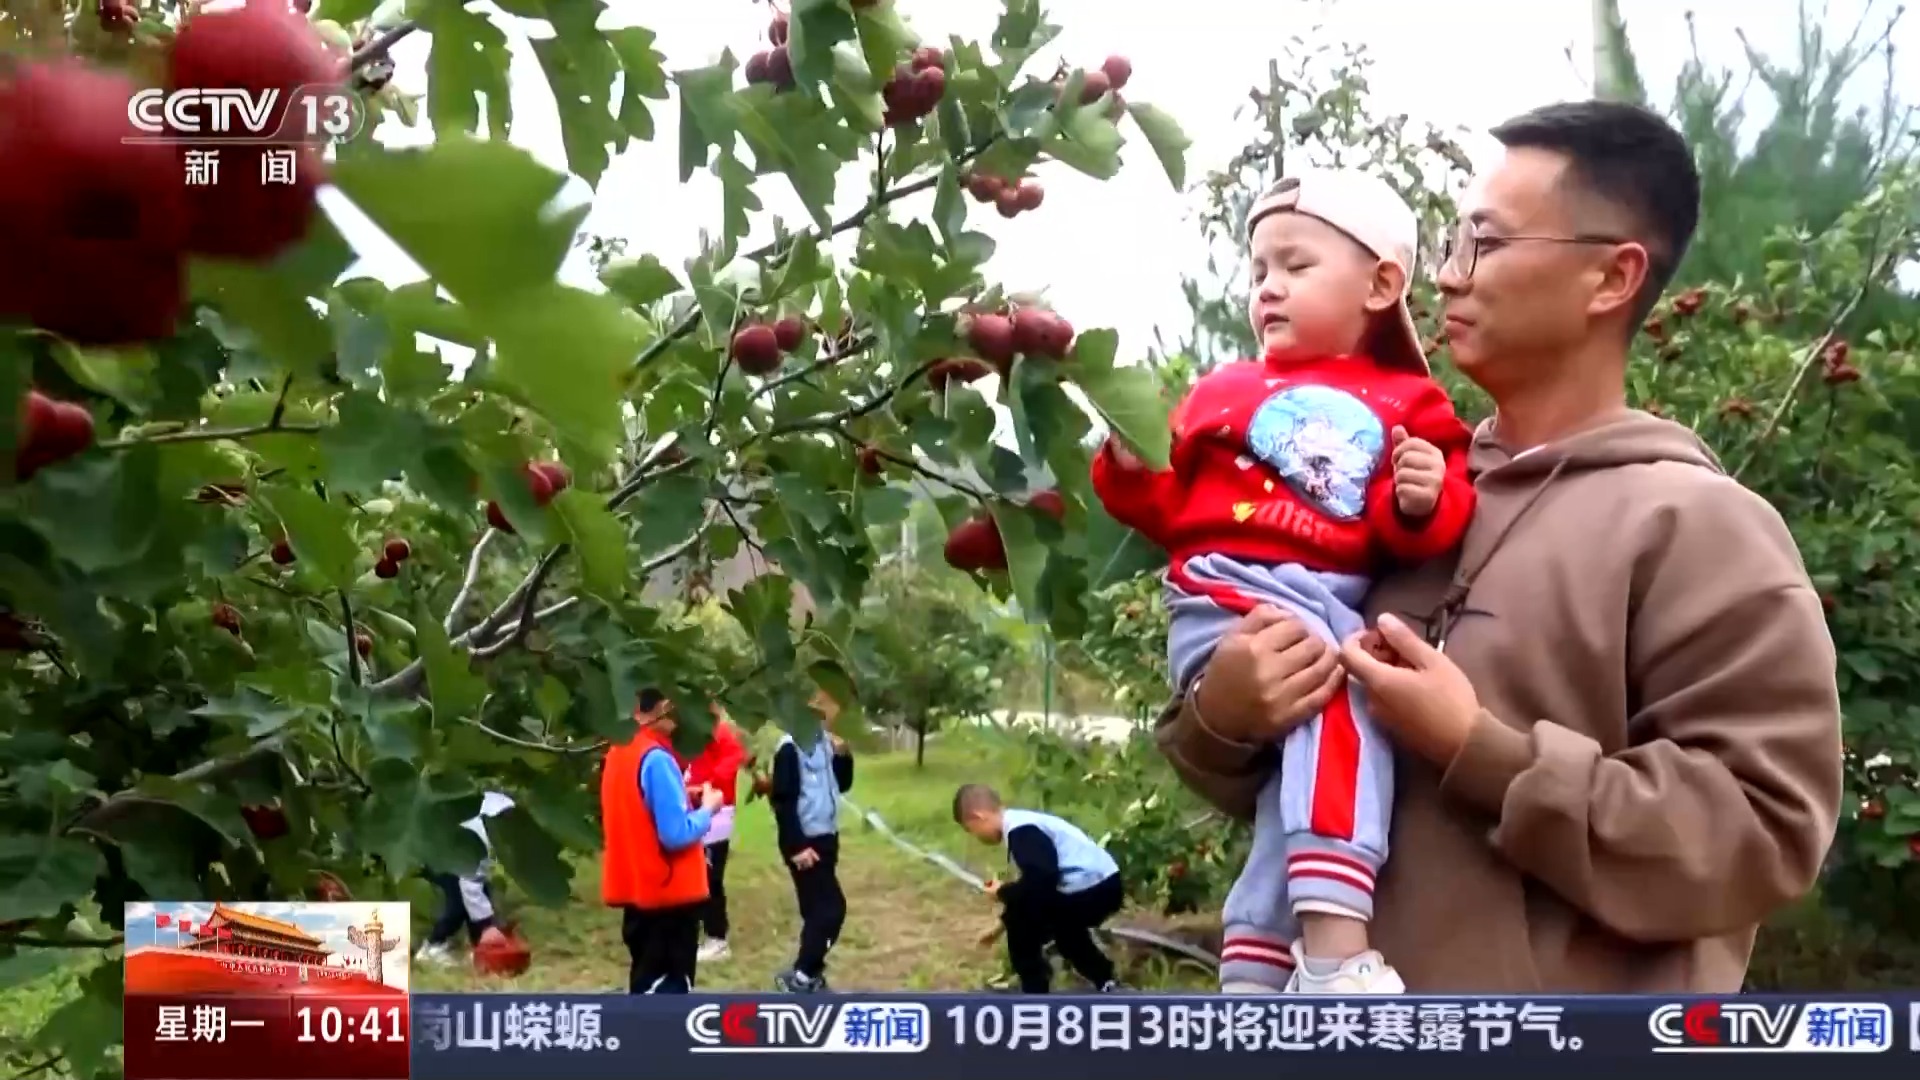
(909, 925)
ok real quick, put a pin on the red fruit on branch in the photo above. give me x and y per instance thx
(756, 69)
(1689, 302)
(387, 569)
(497, 518)
(81, 201)
(363, 644)
(14, 636)
(1840, 374)
(1873, 810)
(789, 333)
(117, 15)
(265, 822)
(871, 463)
(975, 545)
(1739, 407)
(984, 187)
(1008, 202)
(226, 618)
(1656, 329)
(1049, 503)
(756, 348)
(780, 68)
(1094, 86)
(548, 477)
(50, 432)
(777, 30)
(282, 552)
(397, 550)
(929, 56)
(258, 47)
(1118, 70)
(1039, 332)
(991, 336)
(911, 93)
(1030, 194)
(959, 369)
(261, 205)
(1836, 353)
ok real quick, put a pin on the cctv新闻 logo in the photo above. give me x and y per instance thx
(1748, 1027)
(749, 1027)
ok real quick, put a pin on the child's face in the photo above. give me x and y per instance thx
(984, 825)
(1315, 290)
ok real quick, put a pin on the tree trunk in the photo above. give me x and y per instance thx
(920, 745)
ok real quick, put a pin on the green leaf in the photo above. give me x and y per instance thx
(1089, 142)
(87, 1026)
(98, 513)
(468, 63)
(348, 11)
(645, 78)
(640, 281)
(486, 233)
(598, 539)
(261, 714)
(414, 820)
(1026, 555)
(580, 67)
(271, 302)
(706, 113)
(566, 353)
(812, 33)
(455, 690)
(668, 510)
(318, 532)
(531, 856)
(1169, 143)
(156, 844)
(126, 375)
(373, 442)
(39, 874)
(1116, 553)
(1128, 397)
(737, 199)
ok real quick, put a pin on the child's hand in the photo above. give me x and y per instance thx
(991, 888)
(1419, 468)
(1124, 457)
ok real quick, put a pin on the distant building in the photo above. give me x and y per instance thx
(228, 932)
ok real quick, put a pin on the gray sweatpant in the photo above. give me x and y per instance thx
(1320, 826)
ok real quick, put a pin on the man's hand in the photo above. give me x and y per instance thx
(1418, 696)
(1419, 469)
(710, 798)
(839, 744)
(1268, 675)
(805, 858)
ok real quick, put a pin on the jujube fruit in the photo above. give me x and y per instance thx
(789, 332)
(1049, 503)
(1118, 70)
(226, 618)
(386, 569)
(963, 369)
(1094, 86)
(975, 544)
(992, 337)
(397, 550)
(282, 553)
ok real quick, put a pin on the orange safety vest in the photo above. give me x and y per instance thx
(635, 871)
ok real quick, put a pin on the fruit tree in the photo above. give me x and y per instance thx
(283, 587)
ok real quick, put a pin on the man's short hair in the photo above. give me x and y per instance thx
(1631, 158)
(972, 799)
(650, 699)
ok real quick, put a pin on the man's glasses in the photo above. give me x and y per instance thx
(1463, 248)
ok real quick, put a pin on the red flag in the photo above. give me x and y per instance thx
(162, 919)
(186, 926)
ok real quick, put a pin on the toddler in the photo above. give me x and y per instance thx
(1292, 479)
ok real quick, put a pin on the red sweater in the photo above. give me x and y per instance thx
(1293, 463)
(719, 764)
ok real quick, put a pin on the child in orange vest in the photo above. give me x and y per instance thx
(654, 868)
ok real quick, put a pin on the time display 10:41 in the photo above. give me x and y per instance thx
(332, 1024)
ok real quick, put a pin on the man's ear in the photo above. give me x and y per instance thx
(1621, 275)
(1388, 286)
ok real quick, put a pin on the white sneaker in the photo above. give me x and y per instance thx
(440, 955)
(714, 949)
(1367, 973)
(1241, 986)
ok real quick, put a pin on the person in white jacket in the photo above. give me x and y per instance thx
(465, 901)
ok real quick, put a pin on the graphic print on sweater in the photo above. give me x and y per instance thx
(1325, 443)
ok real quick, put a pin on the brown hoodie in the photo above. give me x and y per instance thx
(1656, 768)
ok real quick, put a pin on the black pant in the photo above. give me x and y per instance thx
(823, 907)
(1067, 920)
(453, 912)
(664, 944)
(714, 918)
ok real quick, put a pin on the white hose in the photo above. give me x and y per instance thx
(954, 869)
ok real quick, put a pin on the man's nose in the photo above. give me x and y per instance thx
(1450, 281)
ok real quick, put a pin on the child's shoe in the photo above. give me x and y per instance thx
(1367, 973)
(714, 949)
(439, 954)
(797, 982)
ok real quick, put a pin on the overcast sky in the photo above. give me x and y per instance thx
(1112, 254)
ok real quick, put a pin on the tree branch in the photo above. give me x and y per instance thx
(914, 466)
(354, 671)
(100, 818)
(31, 942)
(472, 579)
(826, 360)
(215, 434)
(379, 47)
(852, 412)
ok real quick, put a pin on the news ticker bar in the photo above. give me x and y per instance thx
(935, 1036)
